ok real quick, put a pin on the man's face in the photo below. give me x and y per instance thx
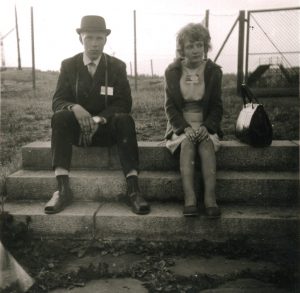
(93, 43)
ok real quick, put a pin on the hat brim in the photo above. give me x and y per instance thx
(79, 30)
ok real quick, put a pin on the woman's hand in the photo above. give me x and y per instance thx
(202, 134)
(191, 134)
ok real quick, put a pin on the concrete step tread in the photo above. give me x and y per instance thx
(222, 174)
(230, 143)
(233, 155)
(248, 187)
(161, 210)
(113, 221)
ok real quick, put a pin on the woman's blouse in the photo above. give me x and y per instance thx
(192, 87)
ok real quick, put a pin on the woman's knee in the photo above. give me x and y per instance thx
(187, 146)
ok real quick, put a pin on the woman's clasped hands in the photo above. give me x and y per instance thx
(196, 136)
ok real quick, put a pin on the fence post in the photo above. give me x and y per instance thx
(32, 49)
(206, 25)
(247, 46)
(135, 58)
(18, 40)
(240, 63)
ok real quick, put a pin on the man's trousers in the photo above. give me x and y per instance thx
(120, 130)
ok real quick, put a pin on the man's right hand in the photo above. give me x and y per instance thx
(83, 117)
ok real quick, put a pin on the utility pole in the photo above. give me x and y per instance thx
(135, 58)
(18, 40)
(32, 49)
(151, 67)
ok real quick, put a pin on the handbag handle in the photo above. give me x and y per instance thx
(247, 94)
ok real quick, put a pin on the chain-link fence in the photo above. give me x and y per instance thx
(273, 51)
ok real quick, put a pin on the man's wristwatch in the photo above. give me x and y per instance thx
(99, 120)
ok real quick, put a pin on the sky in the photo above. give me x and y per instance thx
(158, 21)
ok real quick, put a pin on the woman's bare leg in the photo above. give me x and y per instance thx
(208, 167)
(187, 170)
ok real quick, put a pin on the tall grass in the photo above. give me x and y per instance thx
(26, 114)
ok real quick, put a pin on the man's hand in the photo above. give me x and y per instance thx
(85, 138)
(83, 117)
(190, 134)
(202, 134)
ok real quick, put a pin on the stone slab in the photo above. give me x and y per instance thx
(281, 155)
(247, 286)
(218, 266)
(113, 285)
(264, 188)
(77, 220)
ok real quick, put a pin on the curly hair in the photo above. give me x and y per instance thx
(192, 32)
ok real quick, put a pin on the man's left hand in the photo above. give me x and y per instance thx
(86, 137)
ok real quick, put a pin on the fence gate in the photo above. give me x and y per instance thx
(273, 51)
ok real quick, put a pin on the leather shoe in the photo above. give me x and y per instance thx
(60, 198)
(213, 212)
(138, 204)
(190, 211)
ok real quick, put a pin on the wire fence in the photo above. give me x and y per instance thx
(274, 46)
(273, 39)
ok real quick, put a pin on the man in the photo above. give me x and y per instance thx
(91, 106)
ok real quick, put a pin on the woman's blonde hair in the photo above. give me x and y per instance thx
(193, 32)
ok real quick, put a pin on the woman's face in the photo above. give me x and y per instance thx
(193, 51)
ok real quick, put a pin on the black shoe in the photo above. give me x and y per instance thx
(213, 212)
(190, 211)
(138, 204)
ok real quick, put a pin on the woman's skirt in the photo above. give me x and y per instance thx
(195, 120)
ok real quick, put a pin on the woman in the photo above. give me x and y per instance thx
(194, 111)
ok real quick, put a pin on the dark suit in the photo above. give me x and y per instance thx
(76, 86)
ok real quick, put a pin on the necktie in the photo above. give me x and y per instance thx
(92, 68)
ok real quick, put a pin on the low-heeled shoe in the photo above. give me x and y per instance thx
(190, 211)
(138, 204)
(213, 212)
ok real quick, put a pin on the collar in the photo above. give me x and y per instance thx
(87, 60)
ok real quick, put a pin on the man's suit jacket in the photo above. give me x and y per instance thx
(76, 86)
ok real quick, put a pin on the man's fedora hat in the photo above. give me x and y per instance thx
(93, 23)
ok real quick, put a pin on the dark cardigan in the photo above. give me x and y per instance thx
(211, 102)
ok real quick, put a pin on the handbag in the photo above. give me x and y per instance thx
(253, 125)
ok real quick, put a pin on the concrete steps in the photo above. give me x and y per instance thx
(114, 220)
(261, 187)
(257, 189)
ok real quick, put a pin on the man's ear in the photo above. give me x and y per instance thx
(80, 38)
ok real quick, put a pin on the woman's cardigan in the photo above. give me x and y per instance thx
(211, 102)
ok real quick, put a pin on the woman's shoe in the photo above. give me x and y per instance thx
(190, 211)
(213, 212)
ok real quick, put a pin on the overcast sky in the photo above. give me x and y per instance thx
(158, 21)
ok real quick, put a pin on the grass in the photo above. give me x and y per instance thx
(26, 114)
